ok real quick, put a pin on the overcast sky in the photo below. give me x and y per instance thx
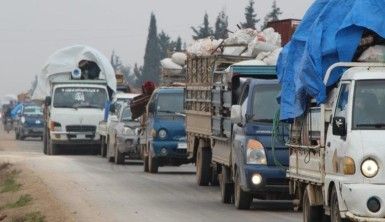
(31, 30)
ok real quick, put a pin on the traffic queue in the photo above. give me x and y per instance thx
(302, 123)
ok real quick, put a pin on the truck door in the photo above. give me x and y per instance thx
(149, 119)
(336, 146)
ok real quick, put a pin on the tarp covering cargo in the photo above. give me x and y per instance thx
(330, 32)
(60, 65)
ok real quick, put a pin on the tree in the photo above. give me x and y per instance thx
(164, 44)
(178, 45)
(138, 74)
(221, 25)
(115, 61)
(151, 66)
(273, 15)
(203, 31)
(251, 16)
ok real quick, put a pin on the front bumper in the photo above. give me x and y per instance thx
(74, 138)
(356, 196)
(273, 179)
(128, 144)
(32, 131)
(173, 149)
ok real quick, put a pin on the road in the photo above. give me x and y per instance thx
(95, 190)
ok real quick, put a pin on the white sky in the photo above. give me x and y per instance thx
(30, 30)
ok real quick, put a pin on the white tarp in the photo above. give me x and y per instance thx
(64, 61)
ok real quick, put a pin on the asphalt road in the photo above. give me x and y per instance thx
(95, 190)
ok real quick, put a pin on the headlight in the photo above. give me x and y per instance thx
(369, 168)
(22, 119)
(162, 133)
(128, 131)
(255, 153)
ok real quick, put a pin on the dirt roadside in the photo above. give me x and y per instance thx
(25, 197)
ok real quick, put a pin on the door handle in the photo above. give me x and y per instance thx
(328, 144)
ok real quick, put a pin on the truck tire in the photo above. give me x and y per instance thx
(103, 147)
(145, 164)
(110, 159)
(335, 215)
(17, 135)
(242, 199)
(45, 143)
(52, 149)
(226, 187)
(310, 213)
(119, 157)
(202, 163)
(214, 176)
(153, 164)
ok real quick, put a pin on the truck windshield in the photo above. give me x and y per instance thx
(170, 104)
(369, 104)
(33, 110)
(76, 97)
(126, 114)
(265, 103)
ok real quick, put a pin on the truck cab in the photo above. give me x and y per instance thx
(259, 155)
(164, 130)
(342, 172)
(74, 112)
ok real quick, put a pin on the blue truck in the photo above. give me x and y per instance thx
(233, 133)
(163, 134)
(30, 121)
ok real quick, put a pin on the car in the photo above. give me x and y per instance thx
(30, 122)
(123, 137)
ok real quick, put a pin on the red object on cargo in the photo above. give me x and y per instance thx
(285, 27)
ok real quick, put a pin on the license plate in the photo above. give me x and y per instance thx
(182, 145)
(81, 137)
(37, 122)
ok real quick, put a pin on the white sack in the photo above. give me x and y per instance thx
(179, 58)
(242, 36)
(60, 65)
(373, 54)
(167, 63)
(204, 47)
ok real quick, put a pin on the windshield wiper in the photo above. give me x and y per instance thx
(376, 125)
(172, 112)
(76, 106)
(263, 120)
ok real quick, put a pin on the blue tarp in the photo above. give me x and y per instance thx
(16, 110)
(330, 32)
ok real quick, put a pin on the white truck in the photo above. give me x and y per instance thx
(336, 156)
(75, 83)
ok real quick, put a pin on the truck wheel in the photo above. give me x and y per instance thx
(52, 149)
(242, 199)
(103, 147)
(335, 215)
(119, 157)
(214, 176)
(152, 164)
(17, 135)
(310, 213)
(226, 187)
(108, 151)
(203, 161)
(145, 164)
(45, 143)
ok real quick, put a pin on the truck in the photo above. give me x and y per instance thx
(336, 167)
(163, 140)
(230, 109)
(76, 82)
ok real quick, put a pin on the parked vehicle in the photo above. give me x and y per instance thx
(106, 127)
(124, 137)
(164, 136)
(74, 99)
(233, 135)
(30, 122)
(335, 163)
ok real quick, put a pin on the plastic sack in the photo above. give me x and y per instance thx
(242, 36)
(373, 54)
(204, 47)
(167, 63)
(179, 58)
(269, 58)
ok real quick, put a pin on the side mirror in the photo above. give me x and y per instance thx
(151, 107)
(112, 108)
(48, 101)
(236, 114)
(339, 126)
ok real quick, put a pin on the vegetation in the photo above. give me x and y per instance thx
(10, 184)
(250, 16)
(30, 217)
(204, 30)
(21, 202)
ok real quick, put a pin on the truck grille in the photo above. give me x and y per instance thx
(81, 128)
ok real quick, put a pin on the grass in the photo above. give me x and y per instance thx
(21, 202)
(30, 217)
(10, 184)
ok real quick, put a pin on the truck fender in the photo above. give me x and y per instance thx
(315, 195)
